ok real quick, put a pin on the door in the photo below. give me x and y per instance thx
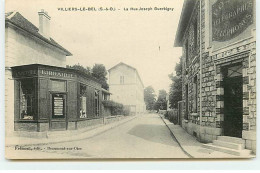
(58, 118)
(233, 101)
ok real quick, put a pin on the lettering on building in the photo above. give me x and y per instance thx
(25, 73)
(230, 18)
(55, 73)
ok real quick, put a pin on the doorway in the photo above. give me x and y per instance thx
(233, 100)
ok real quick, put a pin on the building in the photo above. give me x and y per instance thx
(219, 70)
(127, 87)
(54, 98)
(41, 94)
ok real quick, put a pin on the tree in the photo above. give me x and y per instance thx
(99, 72)
(161, 102)
(176, 86)
(149, 97)
(85, 70)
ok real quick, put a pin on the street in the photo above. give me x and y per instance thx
(143, 137)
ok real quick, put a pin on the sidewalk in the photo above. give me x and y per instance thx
(70, 135)
(190, 145)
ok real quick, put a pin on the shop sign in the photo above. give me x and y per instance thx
(56, 73)
(230, 18)
(25, 73)
(58, 106)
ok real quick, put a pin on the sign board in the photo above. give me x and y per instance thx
(230, 18)
(58, 106)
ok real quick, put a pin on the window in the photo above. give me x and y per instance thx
(187, 54)
(195, 36)
(186, 103)
(122, 80)
(96, 102)
(27, 99)
(195, 91)
(83, 101)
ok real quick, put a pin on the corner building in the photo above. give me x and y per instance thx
(219, 69)
(41, 94)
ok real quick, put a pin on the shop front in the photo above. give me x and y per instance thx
(54, 98)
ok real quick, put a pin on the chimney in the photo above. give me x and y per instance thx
(44, 23)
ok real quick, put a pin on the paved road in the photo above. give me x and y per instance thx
(143, 137)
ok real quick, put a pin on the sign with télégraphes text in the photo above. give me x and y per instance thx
(230, 18)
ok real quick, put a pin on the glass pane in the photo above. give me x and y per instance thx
(235, 71)
(27, 105)
(83, 109)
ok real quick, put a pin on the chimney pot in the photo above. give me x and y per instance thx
(44, 23)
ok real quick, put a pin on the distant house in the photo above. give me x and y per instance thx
(127, 87)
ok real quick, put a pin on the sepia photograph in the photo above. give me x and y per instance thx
(130, 79)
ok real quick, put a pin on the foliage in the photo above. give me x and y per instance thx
(85, 70)
(149, 97)
(116, 108)
(98, 72)
(161, 102)
(175, 94)
(172, 116)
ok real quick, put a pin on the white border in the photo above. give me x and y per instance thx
(227, 164)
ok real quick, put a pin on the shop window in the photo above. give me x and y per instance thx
(83, 101)
(122, 80)
(96, 103)
(27, 99)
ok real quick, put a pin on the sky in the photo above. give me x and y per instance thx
(142, 39)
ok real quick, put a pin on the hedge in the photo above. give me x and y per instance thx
(116, 108)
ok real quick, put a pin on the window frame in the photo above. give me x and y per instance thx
(32, 95)
(81, 95)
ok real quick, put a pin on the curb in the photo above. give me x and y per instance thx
(172, 133)
(80, 138)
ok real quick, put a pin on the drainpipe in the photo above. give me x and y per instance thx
(200, 70)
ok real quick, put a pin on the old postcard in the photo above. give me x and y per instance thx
(130, 79)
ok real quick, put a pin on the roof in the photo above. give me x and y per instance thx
(19, 21)
(106, 91)
(121, 63)
(186, 13)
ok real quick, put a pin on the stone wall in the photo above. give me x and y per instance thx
(191, 64)
(90, 122)
(208, 91)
